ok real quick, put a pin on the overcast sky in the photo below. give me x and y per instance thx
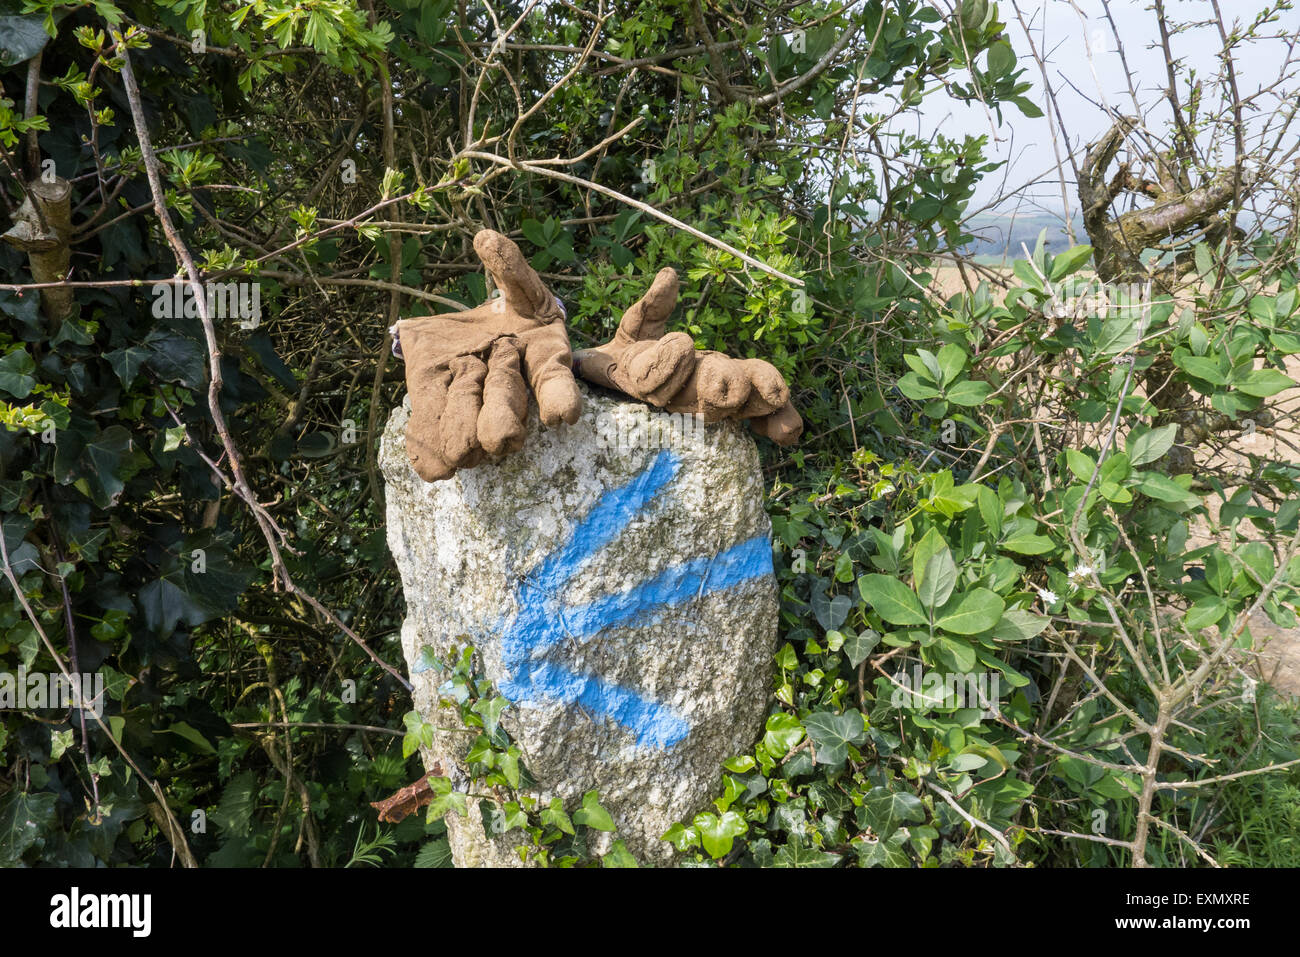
(1063, 31)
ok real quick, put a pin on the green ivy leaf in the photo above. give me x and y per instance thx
(858, 646)
(797, 854)
(618, 856)
(783, 732)
(884, 810)
(490, 712)
(832, 734)
(554, 816)
(592, 814)
(16, 370)
(681, 837)
(24, 818)
(718, 832)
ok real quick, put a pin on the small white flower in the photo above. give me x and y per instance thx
(1083, 571)
(1049, 597)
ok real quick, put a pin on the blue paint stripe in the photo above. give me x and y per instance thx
(607, 519)
(674, 586)
(651, 722)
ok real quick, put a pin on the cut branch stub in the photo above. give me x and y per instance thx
(42, 229)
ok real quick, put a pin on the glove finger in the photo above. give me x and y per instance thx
(656, 371)
(548, 367)
(501, 428)
(426, 384)
(460, 416)
(595, 366)
(769, 391)
(523, 289)
(722, 385)
(647, 318)
(784, 426)
(558, 400)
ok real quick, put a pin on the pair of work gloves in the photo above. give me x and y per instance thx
(469, 373)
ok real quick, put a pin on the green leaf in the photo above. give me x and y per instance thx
(718, 833)
(21, 38)
(508, 765)
(554, 816)
(15, 373)
(234, 813)
(535, 233)
(1262, 382)
(968, 392)
(1016, 624)
(1164, 489)
(884, 810)
(1201, 367)
(1205, 612)
(912, 387)
(1218, 571)
(490, 712)
(887, 853)
(24, 818)
(1117, 334)
(681, 837)
(797, 854)
(1002, 59)
(832, 734)
(1028, 544)
(191, 734)
(1069, 261)
(1204, 263)
(592, 814)
(892, 600)
(990, 510)
(1147, 445)
(618, 856)
(937, 579)
(957, 652)
(434, 854)
(952, 359)
(858, 646)
(1027, 107)
(1080, 464)
(783, 732)
(924, 209)
(972, 612)
(1258, 559)
(830, 612)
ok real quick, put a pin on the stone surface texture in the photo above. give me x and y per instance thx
(615, 577)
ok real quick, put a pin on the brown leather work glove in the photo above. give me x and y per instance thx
(466, 371)
(670, 373)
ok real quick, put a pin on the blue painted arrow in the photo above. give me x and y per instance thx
(543, 620)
